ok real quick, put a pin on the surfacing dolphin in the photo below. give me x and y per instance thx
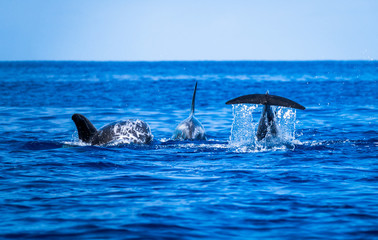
(267, 121)
(130, 131)
(190, 128)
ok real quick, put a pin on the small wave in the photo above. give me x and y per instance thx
(98, 165)
(332, 144)
(42, 145)
(195, 145)
(76, 143)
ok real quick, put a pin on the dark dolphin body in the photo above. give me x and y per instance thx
(267, 121)
(131, 130)
(190, 128)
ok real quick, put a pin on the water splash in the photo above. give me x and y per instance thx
(244, 127)
(75, 141)
(286, 119)
(243, 130)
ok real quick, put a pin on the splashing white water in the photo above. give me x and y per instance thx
(244, 129)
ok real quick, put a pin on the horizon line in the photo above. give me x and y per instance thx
(208, 60)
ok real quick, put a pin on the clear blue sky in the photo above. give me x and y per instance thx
(188, 30)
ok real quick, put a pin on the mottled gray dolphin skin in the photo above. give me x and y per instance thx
(130, 131)
(190, 128)
(267, 121)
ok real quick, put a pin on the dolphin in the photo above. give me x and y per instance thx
(267, 121)
(190, 128)
(131, 130)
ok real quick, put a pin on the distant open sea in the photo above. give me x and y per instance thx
(321, 182)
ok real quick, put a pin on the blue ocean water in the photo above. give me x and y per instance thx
(318, 181)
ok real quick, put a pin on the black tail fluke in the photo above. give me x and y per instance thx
(84, 127)
(266, 99)
(193, 100)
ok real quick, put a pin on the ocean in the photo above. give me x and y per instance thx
(318, 180)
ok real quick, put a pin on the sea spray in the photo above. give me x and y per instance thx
(243, 130)
(245, 123)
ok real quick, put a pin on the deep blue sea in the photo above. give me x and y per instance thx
(318, 180)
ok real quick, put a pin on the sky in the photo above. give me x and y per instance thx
(146, 30)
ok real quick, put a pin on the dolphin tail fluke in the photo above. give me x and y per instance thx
(193, 100)
(84, 127)
(266, 99)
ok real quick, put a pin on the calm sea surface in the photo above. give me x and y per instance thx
(319, 180)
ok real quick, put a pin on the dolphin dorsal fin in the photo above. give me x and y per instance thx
(85, 128)
(193, 101)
